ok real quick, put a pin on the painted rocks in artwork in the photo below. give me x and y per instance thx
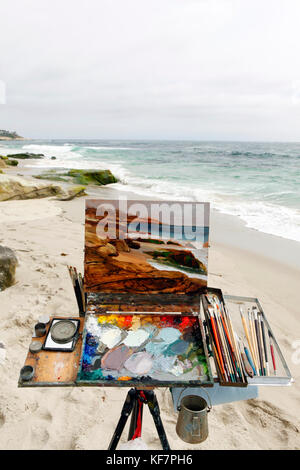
(115, 358)
(139, 363)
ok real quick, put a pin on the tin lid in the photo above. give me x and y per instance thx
(63, 331)
(35, 346)
(44, 319)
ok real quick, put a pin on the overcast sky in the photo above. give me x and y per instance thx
(161, 69)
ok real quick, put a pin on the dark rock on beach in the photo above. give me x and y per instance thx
(8, 263)
(5, 161)
(24, 156)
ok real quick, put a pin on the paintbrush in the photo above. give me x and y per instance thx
(264, 344)
(233, 338)
(82, 290)
(76, 287)
(230, 345)
(218, 364)
(217, 344)
(259, 345)
(225, 349)
(246, 363)
(222, 339)
(252, 334)
(230, 339)
(249, 359)
(272, 351)
(246, 330)
(221, 346)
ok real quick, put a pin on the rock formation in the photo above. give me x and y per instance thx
(14, 187)
(8, 263)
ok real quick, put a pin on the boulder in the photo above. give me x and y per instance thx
(14, 187)
(120, 245)
(8, 263)
(82, 177)
(12, 162)
(4, 161)
(75, 191)
(107, 250)
(26, 155)
(133, 244)
(52, 176)
(99, 177)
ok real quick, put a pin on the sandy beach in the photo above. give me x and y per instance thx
(47, 235)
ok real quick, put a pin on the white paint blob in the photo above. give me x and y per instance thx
(136, 338)
(92, 326)
(111, 336)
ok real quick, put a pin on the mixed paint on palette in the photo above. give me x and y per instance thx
(147, 348)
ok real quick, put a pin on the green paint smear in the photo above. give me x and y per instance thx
(188, 262)
(91, 375)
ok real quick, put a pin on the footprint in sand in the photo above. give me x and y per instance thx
(2, 419)
(271, 417)
(39, 435)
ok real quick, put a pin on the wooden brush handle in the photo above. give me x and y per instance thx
(247, 366)
(247, 335)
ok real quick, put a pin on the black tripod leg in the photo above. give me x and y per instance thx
(126, 410)
(134, 418)
(154, 410)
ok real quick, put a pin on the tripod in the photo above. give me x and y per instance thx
(134, 403)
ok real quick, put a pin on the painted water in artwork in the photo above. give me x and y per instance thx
(143, 349)
(146, 247)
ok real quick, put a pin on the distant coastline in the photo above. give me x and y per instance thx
(10, 135)
(12, 138)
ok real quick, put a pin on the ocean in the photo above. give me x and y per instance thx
(257, 182)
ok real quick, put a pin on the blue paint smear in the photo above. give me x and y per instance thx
(90, 350)
(177, 348)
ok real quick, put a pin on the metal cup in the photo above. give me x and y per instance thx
(40, 329)
(192, 423)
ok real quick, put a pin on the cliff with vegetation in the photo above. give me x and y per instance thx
(9, 135)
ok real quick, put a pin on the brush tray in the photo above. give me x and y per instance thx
(233, 304)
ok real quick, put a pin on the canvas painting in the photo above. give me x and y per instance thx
(145, 247)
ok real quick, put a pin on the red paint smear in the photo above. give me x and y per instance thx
(186, 323)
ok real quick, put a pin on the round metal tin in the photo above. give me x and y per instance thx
(40, 329)
(63, 331)
(35, 346)
(27, 373)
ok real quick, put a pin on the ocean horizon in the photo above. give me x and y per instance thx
(255, 181)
